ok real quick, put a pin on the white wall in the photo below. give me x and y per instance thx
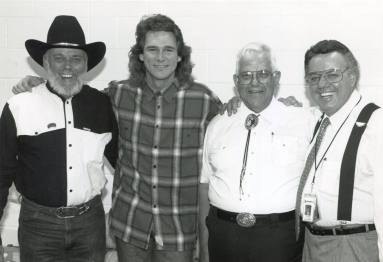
(215, 30)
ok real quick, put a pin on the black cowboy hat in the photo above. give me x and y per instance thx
(65, 31)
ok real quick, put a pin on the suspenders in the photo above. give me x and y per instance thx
(347, 171)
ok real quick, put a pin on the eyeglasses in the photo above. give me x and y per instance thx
(331, 76)
(262, 76)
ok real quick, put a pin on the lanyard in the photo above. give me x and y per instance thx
(316, 165)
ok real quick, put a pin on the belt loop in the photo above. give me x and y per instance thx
(334, 231)
(213, 210)
(367, 227)
(274, 218)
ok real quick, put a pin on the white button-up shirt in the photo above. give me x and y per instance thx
(367, 206)
(276, 155)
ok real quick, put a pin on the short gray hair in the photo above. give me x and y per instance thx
(255, 47)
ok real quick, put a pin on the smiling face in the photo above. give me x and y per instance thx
(160, 57)
(330, 97)
(65, 67)
(256, 95)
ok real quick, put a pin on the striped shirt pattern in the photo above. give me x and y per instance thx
(155, 189)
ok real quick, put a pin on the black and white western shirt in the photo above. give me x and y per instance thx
(47, 142)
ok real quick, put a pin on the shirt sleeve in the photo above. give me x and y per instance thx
(376, 148)
(207, 169)
(215, 104)
(111, 149)
(8, 154)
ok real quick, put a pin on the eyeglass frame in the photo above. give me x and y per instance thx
(256, 73)
(324, 74)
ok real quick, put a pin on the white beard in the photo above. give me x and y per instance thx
(64, 91)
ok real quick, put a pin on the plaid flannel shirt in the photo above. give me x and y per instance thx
(155, 189)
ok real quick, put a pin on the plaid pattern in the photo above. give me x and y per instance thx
(155, 188)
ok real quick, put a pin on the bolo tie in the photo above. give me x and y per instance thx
(250, 123)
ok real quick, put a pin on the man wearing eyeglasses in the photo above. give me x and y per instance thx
(343, 178)
(251, 167)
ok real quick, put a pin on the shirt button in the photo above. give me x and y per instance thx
(36, 133)
(69, 122)
(154, 166)
(158, 106)
(157, 126)
(67, 102)
(70, 190)
(70, 167)
(70, 145)
(155, 146)
(154, 187)
(154, 206)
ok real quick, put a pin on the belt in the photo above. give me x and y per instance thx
(339, 230)
(249, 220)
(65, 211)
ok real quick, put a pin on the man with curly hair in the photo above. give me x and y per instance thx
(162, 115)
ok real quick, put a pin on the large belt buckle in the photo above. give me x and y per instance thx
(65, 212)
(246, 219)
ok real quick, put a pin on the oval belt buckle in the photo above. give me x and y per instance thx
(246, 219)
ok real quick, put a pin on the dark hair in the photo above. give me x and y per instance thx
(157, 23)
(329, 46)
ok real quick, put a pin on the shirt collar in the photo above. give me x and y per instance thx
(50, 89)
(345, 110)
(168, 93)
(271, 115)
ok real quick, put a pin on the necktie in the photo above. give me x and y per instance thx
(306, 171)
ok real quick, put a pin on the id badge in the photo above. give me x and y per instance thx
(310, 213)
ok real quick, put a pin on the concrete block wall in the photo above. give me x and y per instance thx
(215, 30)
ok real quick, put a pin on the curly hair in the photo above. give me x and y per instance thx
(157, 23)
(329, 46)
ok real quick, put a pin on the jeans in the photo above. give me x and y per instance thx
(130, 253)
(44, 237)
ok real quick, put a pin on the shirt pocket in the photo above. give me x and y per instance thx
(191, 137)
(225, 156)
(125, 129)
(327, 176)
(287, 150)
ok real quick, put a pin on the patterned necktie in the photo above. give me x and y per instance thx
(306, 171)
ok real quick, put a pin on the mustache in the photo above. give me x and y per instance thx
(65, 91)
(54, 80)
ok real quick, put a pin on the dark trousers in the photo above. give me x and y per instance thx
(274, 242)
(44, 237)
(130, 253)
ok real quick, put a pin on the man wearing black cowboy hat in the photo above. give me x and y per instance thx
(52, 143)
(162, 115)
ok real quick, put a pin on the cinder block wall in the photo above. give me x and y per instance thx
(214, 29)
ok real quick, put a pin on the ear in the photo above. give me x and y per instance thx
(353, 78)
(235, 79)
(45, 61)
(141, 57)
(276, 77)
